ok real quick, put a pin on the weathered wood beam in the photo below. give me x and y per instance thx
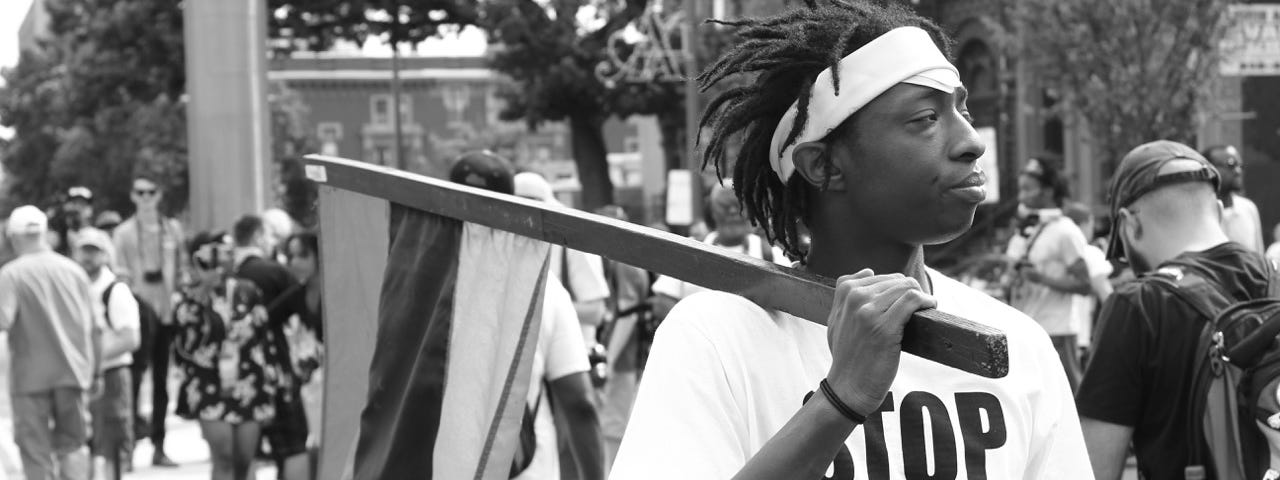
(947, 339)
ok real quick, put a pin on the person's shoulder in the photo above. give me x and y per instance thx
(716, 313)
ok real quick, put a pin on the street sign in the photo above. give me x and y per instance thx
(1251, 46)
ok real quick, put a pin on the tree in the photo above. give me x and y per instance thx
(1133, 70)
(290, 140)
(316, 25)
(95, 98)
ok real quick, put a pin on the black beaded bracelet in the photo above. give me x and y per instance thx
(840, 406)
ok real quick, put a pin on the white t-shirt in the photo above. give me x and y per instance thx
(1059, 245)
(725, 375)
(1095, 261)
(124, 313)
(1242, 223)
(753, 247)
(560, 353)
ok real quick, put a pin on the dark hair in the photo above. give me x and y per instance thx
(786, 52)
(309, 240)
(1049, 175)
(245, 228)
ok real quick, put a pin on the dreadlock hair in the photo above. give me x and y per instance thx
(785, 53)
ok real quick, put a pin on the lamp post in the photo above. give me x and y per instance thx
(690, 44)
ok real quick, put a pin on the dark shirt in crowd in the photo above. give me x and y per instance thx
(281, 293)
(1144, 351)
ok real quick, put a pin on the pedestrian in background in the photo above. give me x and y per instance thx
(1240, 218)
(226, 351)
(115, 312)
(150, 259)
(1049, 263)
(46, 307)
(287, 433)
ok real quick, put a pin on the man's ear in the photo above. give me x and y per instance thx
(814, 164)
(1131, 222)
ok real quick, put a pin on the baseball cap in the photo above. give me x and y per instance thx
(27, 219)
(532, 185)
(92, 237)
(1139, 173)
(483, 169)
(80, 192)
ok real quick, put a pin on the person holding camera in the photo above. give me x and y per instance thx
(149, 253)
(1049, 269)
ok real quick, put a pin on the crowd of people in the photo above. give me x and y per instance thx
(1130, 334)
(93, 306)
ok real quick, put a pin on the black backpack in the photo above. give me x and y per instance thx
(1237, 364)
(148, 323)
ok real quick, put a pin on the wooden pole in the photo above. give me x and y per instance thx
(933, 335)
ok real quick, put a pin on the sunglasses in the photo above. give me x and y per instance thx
(145, 192)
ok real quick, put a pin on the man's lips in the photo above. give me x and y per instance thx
(975, 179)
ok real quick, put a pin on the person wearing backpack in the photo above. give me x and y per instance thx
(115, 312)
(559, 399)
(1154, 349)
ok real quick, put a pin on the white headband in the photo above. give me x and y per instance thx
(903, 55)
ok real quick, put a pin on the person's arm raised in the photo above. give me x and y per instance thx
(864, 332)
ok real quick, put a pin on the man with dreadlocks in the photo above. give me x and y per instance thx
(855, 125)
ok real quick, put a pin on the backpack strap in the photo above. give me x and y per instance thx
(106, 303)
(1205, 297)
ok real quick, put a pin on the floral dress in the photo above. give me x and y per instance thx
(230, 374)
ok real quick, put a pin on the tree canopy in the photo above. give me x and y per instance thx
(1134, 70)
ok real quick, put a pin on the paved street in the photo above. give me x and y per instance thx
(184, 444)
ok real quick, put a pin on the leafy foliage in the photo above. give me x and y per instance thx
(316, 25)
(1134, 70)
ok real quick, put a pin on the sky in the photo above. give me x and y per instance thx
(11, 14)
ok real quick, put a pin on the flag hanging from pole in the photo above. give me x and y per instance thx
(458, 317)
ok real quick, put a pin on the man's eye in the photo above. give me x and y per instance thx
(929, 118)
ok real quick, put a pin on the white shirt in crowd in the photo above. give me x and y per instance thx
(123, 310)
(1059, 244)
(753, 247)
(560, 353)
(725, 375)
(585, 282)
(1242, 223)
(1095, 261)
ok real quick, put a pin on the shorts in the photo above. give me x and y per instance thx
(287, 433)
(112, 413)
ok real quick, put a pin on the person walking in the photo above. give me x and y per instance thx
(150, 253)
(116, 315)
(46, 307)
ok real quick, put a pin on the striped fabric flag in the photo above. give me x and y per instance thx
(458, 317)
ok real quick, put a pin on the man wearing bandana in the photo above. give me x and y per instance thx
(855, 131)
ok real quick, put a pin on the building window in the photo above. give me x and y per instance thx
(456, 97)
(380, 109)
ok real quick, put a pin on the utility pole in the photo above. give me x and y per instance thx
(690, 44)
(401, 162)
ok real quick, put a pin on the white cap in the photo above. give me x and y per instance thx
(532, 185)
(27, 219)
(92, 237)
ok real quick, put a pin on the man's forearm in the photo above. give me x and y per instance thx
(1068, 284)
(805, 446)
(587, 441)
(120, 342)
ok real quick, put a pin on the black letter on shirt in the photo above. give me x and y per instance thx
(913, 438)
(976, 441)
(873, 433)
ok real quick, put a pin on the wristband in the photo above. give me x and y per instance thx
(840, 406)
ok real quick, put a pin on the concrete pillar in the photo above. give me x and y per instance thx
(653, 172)
(229, 145)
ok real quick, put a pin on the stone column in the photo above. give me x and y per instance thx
(229, 145)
